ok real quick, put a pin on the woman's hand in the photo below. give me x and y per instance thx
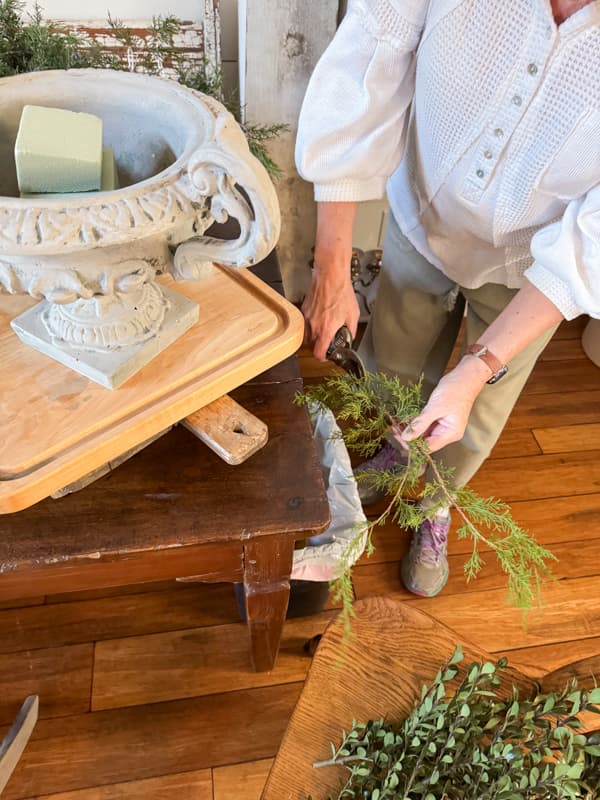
(445, 417)
(330, 302)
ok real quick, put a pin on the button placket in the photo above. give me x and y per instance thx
(512, 108)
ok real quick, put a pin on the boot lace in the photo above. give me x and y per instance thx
(432, 539)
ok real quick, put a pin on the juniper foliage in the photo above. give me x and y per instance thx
(365, 408)
(475, 743)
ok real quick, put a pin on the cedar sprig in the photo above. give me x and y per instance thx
(365, 407)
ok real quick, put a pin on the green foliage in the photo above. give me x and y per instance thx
(365, 408)
(30, 44)
(473, 743)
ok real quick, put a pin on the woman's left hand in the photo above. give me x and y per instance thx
(445, 417)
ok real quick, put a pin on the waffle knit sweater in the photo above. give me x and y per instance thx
(486, 115)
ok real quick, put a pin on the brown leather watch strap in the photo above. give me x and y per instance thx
(481, 351)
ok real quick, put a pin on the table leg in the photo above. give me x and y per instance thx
(267, 569)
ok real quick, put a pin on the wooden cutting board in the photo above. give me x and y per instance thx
(56, 425)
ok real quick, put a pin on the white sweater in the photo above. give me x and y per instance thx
(495, 166)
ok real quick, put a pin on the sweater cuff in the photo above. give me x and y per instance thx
(555, 289)
(350, 191)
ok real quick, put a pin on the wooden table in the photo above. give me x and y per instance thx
(176, 510)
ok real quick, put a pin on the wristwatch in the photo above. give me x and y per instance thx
(497, 368)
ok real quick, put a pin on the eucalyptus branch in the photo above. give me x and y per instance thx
(474, 744)
(330, 762)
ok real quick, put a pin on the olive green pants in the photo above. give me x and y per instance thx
(413, 330)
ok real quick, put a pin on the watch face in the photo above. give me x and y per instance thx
(500, 374)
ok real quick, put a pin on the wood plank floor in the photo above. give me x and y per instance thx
(146, 692)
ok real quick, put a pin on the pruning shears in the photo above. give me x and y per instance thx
(342, 353)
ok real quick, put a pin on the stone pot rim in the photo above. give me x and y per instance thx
(169, 193)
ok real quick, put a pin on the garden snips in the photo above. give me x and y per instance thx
(342, 353)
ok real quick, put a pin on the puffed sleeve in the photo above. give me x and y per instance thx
(567, 258)
(353, 118)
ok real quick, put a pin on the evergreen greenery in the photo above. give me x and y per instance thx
(29, 44)
(366, 408)
(474, 744)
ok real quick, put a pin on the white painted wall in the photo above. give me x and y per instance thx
(284, 39)
(229, 44)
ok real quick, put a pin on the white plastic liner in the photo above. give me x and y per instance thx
(323, 558)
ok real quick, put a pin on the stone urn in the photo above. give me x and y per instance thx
(92, 258)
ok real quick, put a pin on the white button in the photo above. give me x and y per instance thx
(480, 173)
(499, 132)
(532, 69)
(488, 154)
(517, 100)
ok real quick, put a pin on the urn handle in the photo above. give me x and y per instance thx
(236, 184)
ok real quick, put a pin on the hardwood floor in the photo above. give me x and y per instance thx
(146, 692)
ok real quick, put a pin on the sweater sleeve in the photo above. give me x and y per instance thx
(353, 118)
(566, 254)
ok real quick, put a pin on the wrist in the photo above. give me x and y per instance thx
(474, 373)
(480, 351)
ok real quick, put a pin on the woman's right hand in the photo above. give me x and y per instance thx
(331, 302)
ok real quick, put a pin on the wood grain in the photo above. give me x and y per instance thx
(574, 560)
(266, 587)
(539, 661)
(560, 349)
(22, 602)
(194, 663)
(567, 438)
(110, 591)
(393, 650)
(570, 610)
(586, 671)
(193, 785)
(86, 426)
(541, 476)
(555, 408)
(569, 375)
(241, 780)
(230, 431)
(572, 329)
(516, 443)
(150, 741)
(567, 392)
(61, 676)
(61, 624)
(178, 494)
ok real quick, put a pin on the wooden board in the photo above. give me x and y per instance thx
(58, 426)
(230, 431)
(107, 747)
(193, 785)
(198, 661)
(61, 676)
(377, 672)
(241, 780)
